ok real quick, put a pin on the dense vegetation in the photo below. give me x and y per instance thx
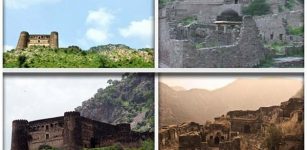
(106, 56)
(299, 31)
(130, 100)
(162, 3)
(188, 20)
(146, 145)
(257, 8)
(273, 138)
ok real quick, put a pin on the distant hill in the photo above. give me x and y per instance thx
(178, 88)
(104, 56)
(200, 105)
(130, 100)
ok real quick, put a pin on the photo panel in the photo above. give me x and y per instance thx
(231, 34)
(238, 112)
(74, 112)
(83, 34)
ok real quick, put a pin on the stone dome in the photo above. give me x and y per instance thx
(229, 15)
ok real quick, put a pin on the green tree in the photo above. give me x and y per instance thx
(257, 8)
(273, 138)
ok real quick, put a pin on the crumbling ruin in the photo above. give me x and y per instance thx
(239, 130)
(215, 34)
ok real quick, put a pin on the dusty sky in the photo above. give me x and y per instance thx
(38, 97)
(208, 82)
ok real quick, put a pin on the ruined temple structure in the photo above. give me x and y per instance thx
(239, 129)
(27, 40)
(215, 33)
(73, 132)
(230, 41)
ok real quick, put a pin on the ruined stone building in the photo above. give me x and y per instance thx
(217, 35)
(27, 40)
(236, 128)
(72, 132)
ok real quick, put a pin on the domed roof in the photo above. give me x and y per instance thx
(229, 15)
(229, 12)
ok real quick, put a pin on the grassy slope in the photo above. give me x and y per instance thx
(43, 57)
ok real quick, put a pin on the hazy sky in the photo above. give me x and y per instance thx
(85, 23)
(209, 82)
(39, 97)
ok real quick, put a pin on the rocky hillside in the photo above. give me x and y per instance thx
(200, 105)
(130, 100)
(104, 56)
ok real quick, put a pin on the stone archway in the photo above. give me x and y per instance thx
(247, 129)
(93, 143)
(216, 140)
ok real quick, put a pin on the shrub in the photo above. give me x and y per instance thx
(273, 138)
(188, 20)
(296, 30)
(257, 8)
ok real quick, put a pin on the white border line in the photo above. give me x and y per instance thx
(155, 70)
(156, 47)
(156, 117)
(1, 76)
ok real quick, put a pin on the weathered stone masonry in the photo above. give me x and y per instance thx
(247, 51)
(27, 40)
(72, 132)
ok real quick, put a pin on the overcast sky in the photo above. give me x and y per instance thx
(39, 97)
(83, 23)
(208, 82)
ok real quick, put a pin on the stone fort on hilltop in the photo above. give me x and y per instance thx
(72, 132)
(27, 40)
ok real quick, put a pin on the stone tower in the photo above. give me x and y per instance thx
(72, 131)
(20, 135)
(54, 39)
(23, 40)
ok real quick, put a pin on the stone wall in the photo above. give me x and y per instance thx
(248, 52)
(273, 27)
(73, 132)
(46, 132)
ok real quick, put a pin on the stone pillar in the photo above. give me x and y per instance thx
(72, 131)
(225, 28)
(20, 135)
(23, 40)
(54, 40)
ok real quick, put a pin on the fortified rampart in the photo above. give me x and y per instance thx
(27, 40)
(72, 132)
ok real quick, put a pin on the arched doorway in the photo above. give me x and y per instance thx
(93, 143)
(216, 140)
(247, 129)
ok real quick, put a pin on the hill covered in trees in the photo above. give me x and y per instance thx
(104, 56)
(130, 100)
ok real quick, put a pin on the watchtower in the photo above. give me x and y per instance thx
(20, 135)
